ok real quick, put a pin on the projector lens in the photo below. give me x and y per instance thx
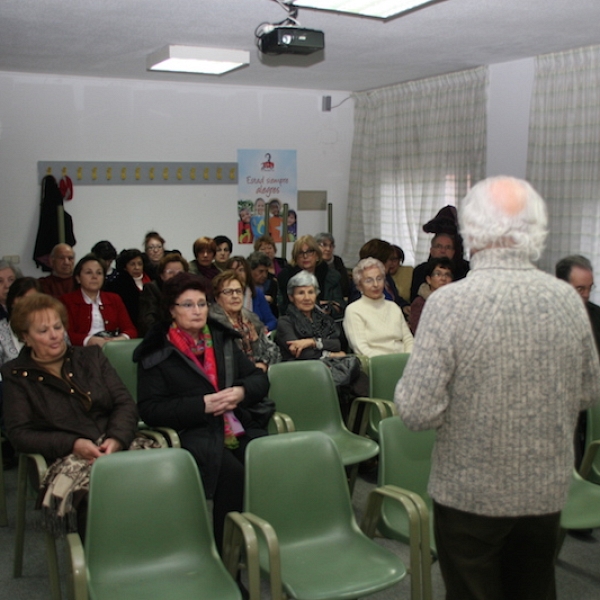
(286, 39)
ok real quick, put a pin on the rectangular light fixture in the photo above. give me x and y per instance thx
(193, 59)
(379, 9)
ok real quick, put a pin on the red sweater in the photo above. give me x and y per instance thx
(112, 309)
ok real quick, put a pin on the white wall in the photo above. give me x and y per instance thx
(85, 119)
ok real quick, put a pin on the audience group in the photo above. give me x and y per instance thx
(212, 327)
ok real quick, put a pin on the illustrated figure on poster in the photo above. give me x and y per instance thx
(292, 224)
(275, 220)
(244, 229)
(257, 221)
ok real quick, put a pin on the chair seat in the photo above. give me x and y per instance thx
(172, 581)
(582, 510)
(353, 448)
(361, 568)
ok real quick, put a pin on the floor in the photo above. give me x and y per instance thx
(578, 570)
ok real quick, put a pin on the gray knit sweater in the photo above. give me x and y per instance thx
(503, 362)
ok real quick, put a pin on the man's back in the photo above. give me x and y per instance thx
(503, 362)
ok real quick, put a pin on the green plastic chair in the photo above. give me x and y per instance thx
(582, 508)
(593, 433)
(405, 461)
(299, 524)
(148, 534)
(304, 390)
(384, 372)
(120, 356)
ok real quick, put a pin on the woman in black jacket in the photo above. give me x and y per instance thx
(194, 378)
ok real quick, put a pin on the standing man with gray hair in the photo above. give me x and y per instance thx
(504, 361)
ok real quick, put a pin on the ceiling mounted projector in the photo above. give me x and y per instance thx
(290, 39)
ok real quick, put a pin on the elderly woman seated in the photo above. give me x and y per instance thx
(374, 325)
(307, 332)
(62, 401)
(194, 378)
(205, 250)
(438, 272)
(307, 256)
(228, 289)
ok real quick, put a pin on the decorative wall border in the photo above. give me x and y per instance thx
(141, 173)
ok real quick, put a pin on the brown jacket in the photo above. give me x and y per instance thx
(45, 414)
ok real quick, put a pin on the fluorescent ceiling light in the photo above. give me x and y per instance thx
(380, 9)
(192, 59)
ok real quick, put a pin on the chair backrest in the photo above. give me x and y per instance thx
(384, 372)
(120, 356)
(405, 456)
(146, 507)
(304, 390)
(593, 433)
(298, 484)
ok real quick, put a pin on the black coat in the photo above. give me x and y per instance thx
(171, 391)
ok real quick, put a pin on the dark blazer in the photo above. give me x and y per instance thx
(113, 312)
(45, 414)
(171, 391)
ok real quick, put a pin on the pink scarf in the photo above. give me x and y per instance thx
(202, 353)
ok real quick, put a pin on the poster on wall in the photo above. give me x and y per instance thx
(266, 181)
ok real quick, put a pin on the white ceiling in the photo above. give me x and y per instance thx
(111, 38)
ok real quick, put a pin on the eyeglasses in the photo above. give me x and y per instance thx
(232, 291)
(440, 274)
(371, 281)
(190, 305)
(326, 245)
(154, 247)
(306, 253)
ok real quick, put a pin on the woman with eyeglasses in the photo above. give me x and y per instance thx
(228, 288)
(254, 298)
(439, 272)
(374, 325)
(193, 377)
(307, 256)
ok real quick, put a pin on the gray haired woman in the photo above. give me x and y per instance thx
(306, 332)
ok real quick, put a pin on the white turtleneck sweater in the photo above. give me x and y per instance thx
(375, 327)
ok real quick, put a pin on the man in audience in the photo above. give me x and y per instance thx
(577, 270)
(504, 361)
(61, 281)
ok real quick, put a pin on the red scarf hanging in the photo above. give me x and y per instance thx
(202, 353)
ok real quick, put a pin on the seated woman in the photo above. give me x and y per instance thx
(267, 245)
(129, 281)
(193, 377)
(154, 250)
(263, 280)
(151, 297)
(62, 400)
(374, 325)
(254, 298)
(95, 316)
(10, 344)
(205, 250)
(327, 244)
(224, 248)
(306, 332)
(307, 256)
(401, 274)
(439, 272)
(228, 289)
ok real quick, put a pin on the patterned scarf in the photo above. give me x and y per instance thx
(202, 354)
